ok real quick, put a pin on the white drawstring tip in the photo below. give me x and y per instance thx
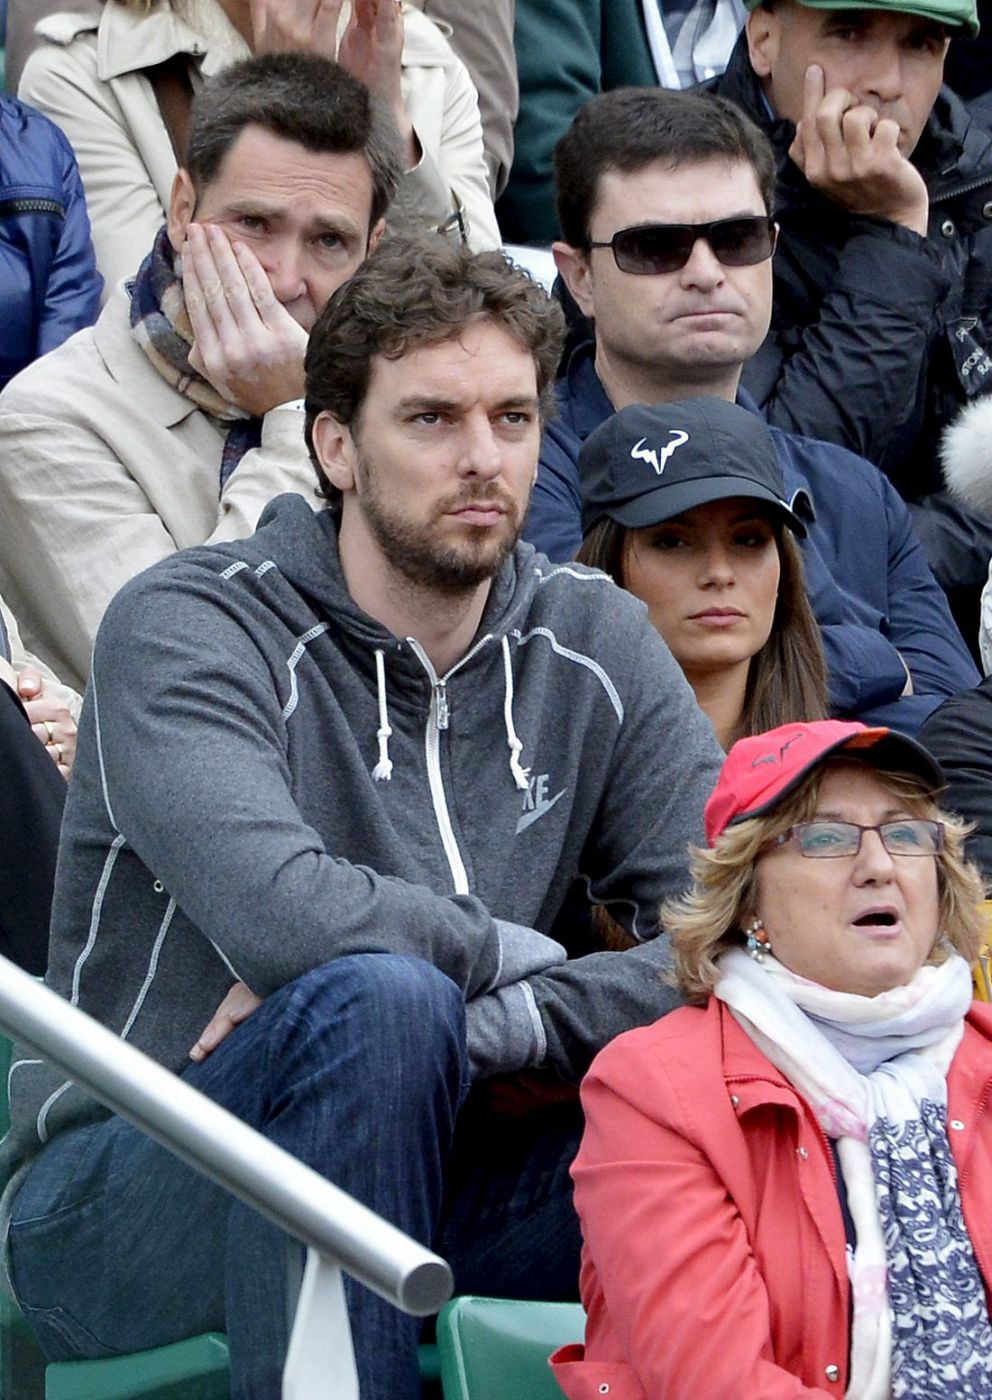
(383, 770)
(521, 775)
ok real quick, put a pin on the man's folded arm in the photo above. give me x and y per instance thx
(663, 768)
(196, 779)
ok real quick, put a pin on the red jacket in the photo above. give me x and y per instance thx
(714, 1262)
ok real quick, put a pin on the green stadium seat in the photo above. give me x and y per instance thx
(192, 1370)
(498, 1349)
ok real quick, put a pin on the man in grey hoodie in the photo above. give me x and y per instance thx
(376, 764)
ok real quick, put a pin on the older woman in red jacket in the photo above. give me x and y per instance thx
(785, 1189)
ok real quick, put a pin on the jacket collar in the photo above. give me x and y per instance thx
(582, 400)
(304, 544)
(131, 367)
(954, 149)
(750, 1075)
(741, 85)
(970, 1088)
(129, 42)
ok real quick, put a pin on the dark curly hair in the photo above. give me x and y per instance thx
(415, 291)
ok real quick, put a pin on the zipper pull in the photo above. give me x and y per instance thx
(441, 695)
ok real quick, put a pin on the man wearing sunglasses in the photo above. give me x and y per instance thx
(882, 322)
(664, 202)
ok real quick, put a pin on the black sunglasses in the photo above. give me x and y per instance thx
(652, 248)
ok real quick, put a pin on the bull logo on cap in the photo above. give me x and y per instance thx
(776, 758)
(640, 453)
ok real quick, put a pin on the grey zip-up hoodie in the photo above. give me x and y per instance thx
(267, 778)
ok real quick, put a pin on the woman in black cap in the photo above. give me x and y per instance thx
(684, 505)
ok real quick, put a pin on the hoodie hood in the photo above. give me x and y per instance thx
(304, 546)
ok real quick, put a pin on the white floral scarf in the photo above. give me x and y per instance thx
(874, 1072)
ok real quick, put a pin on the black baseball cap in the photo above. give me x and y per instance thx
(645, 465)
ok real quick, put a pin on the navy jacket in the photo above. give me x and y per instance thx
(867, 576)
(49, 285)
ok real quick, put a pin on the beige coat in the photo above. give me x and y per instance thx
(481, 34)
(88, 78)
(107, 469)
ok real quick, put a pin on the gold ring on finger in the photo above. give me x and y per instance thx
(49, 730)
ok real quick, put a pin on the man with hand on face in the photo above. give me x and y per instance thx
(664, 200)
(118, 79)
(376, 762)
(179, 415)
(882, 321)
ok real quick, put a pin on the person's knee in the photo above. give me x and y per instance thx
(403, 1003)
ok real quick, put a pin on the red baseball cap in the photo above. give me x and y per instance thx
(759, 771)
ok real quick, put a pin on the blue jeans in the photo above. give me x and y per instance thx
(357, 1068)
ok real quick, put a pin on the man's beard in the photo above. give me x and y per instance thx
(416, 551)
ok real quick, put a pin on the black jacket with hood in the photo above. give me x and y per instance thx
(879, 336)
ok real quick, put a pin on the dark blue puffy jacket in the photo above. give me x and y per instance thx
(49, 285)
(867, 577)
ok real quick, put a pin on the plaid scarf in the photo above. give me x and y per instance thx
(160, 325)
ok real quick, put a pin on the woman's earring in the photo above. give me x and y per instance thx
(758, 943)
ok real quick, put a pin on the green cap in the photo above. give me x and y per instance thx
(956, 14)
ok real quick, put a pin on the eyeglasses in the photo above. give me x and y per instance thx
(824, 840)
(652, 248)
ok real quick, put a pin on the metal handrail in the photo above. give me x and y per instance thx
(213, 1141)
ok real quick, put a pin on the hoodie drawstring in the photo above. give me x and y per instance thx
(520, 775)
(383, 770)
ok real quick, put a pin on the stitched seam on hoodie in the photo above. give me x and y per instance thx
(43, 1111)
(99, 751)
(536, 1022)
(580, 660)
(101, 889)
(226, 961)
(293, 661)
(586, 576)
(163, 929)
(108, 867)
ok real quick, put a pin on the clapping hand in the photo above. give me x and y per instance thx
(371, 47)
